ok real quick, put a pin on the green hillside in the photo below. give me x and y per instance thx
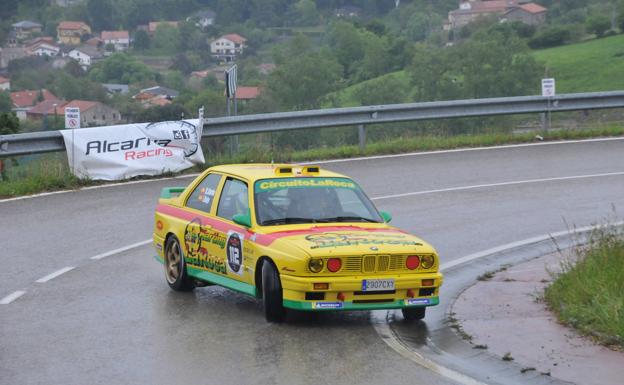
(346, 97)
(595, 65)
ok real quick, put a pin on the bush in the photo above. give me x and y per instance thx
(550, 37)
(598, 24)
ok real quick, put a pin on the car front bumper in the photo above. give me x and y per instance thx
(344, 293)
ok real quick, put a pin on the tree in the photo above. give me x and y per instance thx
(5, 102)
(167, 38)
(100, 14)
(301, 80)
(598, 24)
(9, 123)
(141, 40)
(550, 37)
(120, 68)
(347, 44)
(384, 90)
(307, 14)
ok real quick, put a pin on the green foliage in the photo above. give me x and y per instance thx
(120, 68)
(493, 64)
(141, 40)
(158, 114)
(588, 293)
(303, 77)
(101, 14)
(306, 13)
(550, 37)
(5, 102)
(598, 24)
(383, 90)
(9, 123)
(575, 66)
(167, 38)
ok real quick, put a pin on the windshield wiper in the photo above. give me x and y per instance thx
(290, 220)
(350, 219)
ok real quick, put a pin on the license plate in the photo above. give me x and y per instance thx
(377, 284)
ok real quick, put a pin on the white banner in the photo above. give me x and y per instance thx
(125, 151)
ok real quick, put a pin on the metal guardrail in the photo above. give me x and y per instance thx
(41, 142)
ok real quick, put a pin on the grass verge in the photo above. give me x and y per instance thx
(52, 173)
(587, 294)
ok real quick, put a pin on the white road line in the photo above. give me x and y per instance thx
(511, 183)
(424, 153)
(382, 327)
(121, 249)
(12, 297)
(119, 184)
(468, 149)
(55, 274)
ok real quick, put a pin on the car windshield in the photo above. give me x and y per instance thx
(282, 201)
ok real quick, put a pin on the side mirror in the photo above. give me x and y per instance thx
(242, 219)
(386, 216)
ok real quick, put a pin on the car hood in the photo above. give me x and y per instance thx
(351, 241)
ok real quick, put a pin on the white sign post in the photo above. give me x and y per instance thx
(548, 87)
(72, 117)
(548, 90)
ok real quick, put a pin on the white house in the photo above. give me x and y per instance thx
(227, 47)
(85, 56)
(44, 49)
(5, 84)
(203, 19)
(119, 39)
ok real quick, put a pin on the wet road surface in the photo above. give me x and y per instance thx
(115, 320)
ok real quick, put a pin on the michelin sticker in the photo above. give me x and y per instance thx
(328, 305)
(418, 301)
(234, 250)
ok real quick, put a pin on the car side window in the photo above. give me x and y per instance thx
(234, 199)
(203, 195)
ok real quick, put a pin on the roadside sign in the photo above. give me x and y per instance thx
(548, 87)
(230, 81)
(72, 117)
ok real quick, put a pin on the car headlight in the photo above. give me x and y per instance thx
(315, 265)
(427, 261)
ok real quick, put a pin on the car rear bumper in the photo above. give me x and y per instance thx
(345, 293)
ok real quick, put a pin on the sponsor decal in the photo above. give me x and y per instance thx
(281, 183)
(196, 240)
(324, 240)
(124, 151)
(234, 251)
(328, 305)
(417, 301)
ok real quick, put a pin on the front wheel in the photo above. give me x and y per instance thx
(272, 294)
(413, 313)
(175, 268)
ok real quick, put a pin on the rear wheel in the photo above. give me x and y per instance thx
(272, 294)
(175, 268)
(413, 313)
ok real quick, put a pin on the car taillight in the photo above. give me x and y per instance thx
(412, 262)
(334, 264)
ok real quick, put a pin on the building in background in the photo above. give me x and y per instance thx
(86, 55)
(227, 47)
(27, 99)
(510, 10)
(92, 113)
(202, 19)
(71, 32)
(26, 28)
(531, 13)
(119, 39)
(5, 84)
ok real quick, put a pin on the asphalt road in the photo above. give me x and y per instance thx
(115, 321)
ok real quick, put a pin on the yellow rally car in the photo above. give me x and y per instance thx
(296, 236)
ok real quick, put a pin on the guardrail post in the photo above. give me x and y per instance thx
(361, 137)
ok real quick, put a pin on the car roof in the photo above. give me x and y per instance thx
(256, 171)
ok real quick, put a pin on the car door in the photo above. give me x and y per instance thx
(234, 199)
(201, 241)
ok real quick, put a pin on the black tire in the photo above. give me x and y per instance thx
(175, 267)
(274, 310)
(414, 313)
